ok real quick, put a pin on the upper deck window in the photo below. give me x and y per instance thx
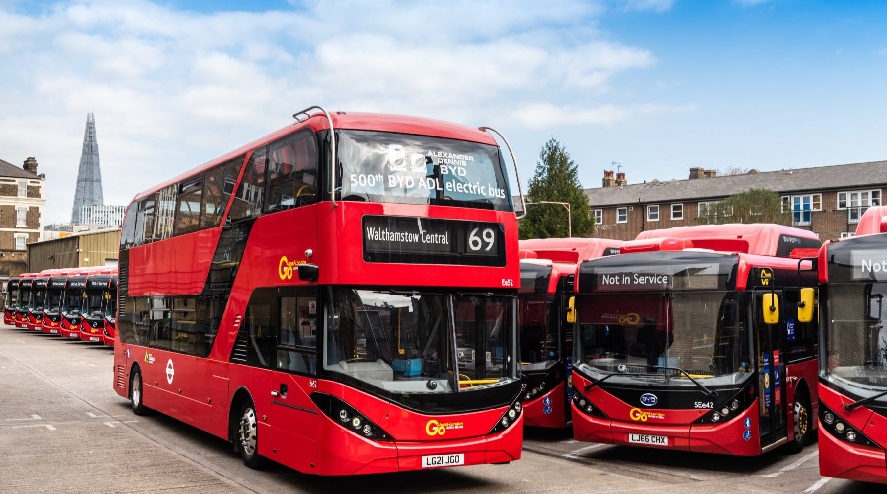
(386, 167)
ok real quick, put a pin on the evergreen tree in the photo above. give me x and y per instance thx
(751, 206)
(557, 180)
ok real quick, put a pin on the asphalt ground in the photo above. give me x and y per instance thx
(64, 430)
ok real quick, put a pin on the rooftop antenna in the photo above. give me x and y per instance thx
(617, 165)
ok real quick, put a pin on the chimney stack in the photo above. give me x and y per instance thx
(620, 179)
(30, 165)
(608, 180)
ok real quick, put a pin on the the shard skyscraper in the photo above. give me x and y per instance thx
(89, 177)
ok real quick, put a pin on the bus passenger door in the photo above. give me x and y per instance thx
(770, 365)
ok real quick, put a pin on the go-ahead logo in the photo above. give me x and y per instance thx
(434, 427)
(286, 267)
(639, 415)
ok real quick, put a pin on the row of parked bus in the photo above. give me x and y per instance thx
(735, 339)
(344, 296)
(75, 303)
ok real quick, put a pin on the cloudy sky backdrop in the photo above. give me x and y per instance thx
(657, 86)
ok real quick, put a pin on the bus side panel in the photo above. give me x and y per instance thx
(556, 417)
(177, 265)
(739, 436)
(838, 458)
(806, 374)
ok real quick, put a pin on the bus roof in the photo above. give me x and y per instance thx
(347, 121)
(756, 238)
(874, 220)
(572, 250)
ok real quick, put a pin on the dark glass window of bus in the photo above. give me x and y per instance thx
(292, 171)
(250, 194)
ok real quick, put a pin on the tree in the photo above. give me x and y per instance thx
(556, 180)
(751, 206)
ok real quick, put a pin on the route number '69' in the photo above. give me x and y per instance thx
(485, 241)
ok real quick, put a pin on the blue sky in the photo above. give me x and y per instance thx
(657, 86)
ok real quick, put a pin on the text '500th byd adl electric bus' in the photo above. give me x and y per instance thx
(339, 296)
(698, 339)
(548, 269)
(853, 369)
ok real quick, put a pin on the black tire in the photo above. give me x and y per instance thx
(248, 436)
(801, 424)
(136, 396)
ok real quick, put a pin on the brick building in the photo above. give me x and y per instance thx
(21, 214)
(828, 200)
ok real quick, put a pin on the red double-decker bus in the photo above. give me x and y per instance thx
(110, 311)
(339, 297)
(11, 304)
(55, 291)
(853, 376)
(548, 268)
(71, 308)
(36, 301)
(96, 302)
(698, 343)
(24, 299)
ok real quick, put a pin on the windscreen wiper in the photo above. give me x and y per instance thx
(709, 393)
(864, 401)
(608, 376)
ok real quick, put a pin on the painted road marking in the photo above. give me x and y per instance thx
(33, 417)
(36, 425)
(815, 487)
(577, 454)
(792, 466)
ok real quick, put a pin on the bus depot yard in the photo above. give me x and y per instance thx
(63, 429)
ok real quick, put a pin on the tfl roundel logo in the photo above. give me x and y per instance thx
(649, 399)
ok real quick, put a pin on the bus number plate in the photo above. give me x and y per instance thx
(648, 439)
(434, 461)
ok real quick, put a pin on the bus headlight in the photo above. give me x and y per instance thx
(348, 417)
(840, 427)
(343, 415)
(725, 411)
(715, 417)
(828, 418)
(734, 405)
(355, 422)
(851, 436)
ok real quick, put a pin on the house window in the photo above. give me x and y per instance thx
(621, 215)
(856, 202)
(677, 211)
(847, 234)
(712, 210)
(21, 217)
(23, 189)
(598, 216)
(21, 242)
(653, 212)
(801, 207)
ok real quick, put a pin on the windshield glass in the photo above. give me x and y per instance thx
(12, 297)
(420, 342)
(53, 299)
(857, 334)
(539, 345)
(94, 303)
(73, 301)
(39, 294)
(701, 333)
(386, 167)
(110, 305)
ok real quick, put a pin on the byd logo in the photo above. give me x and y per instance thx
(286, 267)
(649, 399)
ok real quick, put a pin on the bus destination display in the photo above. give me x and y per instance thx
(432, 241)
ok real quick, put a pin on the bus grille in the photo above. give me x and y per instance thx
(238, 353)
(121, 377)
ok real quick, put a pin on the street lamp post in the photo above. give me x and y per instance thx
(569, 214)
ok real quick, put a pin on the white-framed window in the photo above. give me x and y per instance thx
(21, 217)
(712, 210)
(621, 215)
(801, 207)
(856, 202)
(598, 216)
(677, 211)
(848, 234)
(653, 212)
(21, 242)
(23, 189)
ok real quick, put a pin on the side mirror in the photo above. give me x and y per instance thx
(805, 305)
(571, 310)
(770, 308)
(309, 272)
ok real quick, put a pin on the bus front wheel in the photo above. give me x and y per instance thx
(135, 393)
(248, 435)
(801, 424)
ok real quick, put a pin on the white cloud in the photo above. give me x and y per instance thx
(172, 89)
(646, 5)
